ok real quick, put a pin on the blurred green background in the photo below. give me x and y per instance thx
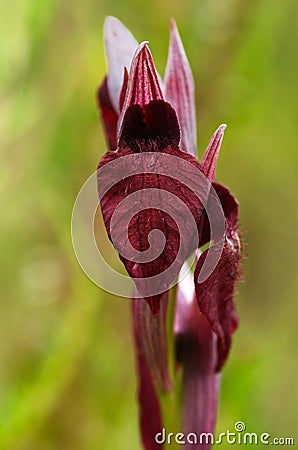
(66, 359)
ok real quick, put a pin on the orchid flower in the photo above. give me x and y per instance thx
(144, 116)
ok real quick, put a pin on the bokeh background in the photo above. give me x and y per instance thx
(67, 376)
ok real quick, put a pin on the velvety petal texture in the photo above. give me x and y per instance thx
(179, 242)
(215, 295)
(180, 91)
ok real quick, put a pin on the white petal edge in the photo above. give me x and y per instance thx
(120, 47)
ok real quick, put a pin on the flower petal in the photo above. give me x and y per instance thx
(196, 352)
(215, 295)
(149, 408)
(108, 114)
(143, 84)
(123, 89)
(180, 91)
(120, 46)
(209, 161)
(149, 126)
(151, 218)
(152, 340)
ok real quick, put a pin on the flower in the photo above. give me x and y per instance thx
(150, 126)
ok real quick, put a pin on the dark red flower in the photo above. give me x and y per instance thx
(151, 132)
(148, 125)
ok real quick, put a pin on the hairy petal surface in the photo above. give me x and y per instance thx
(180, 91)
(163, 203)
(215, 295)
(196, 353)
